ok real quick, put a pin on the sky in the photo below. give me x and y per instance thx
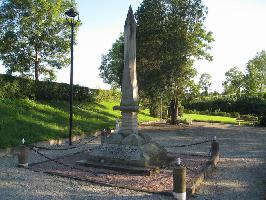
(102, 23)
(238, 28)
(239, 31)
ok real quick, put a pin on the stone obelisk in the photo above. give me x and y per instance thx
(129, 101)
(127, 146)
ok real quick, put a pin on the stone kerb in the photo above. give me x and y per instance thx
(206, 170)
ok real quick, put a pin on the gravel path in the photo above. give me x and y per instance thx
(241, 173)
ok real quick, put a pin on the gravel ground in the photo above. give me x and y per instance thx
(241, 173)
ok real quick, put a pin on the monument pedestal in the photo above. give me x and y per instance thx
(129, 123)
(127, 147)
(148, 154)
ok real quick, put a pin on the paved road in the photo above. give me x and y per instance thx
(241, 173)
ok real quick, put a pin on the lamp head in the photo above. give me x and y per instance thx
(71, 13)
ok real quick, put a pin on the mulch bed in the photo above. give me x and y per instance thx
(159, 182)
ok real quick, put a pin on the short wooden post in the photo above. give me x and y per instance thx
(23, 155)
(215, 147)
(179, 181)
(215, 152)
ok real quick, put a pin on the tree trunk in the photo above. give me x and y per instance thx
(36, 68)
(36, 65)
(153, 110)
(173, 112)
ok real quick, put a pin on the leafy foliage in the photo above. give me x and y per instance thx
(23, 88)
(253, 82)
(170, 35)
(108, 95)
(234, 82)
(112, 64)
(205, 82)
(244, 105)
(34, 37)
(256, 74)
(262, 121)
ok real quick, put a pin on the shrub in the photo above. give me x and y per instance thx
(108, 95)
(262, 121)
(248, 117)
(235, 114)
(215, 113)
(243, 105)
(22, 88)
(15, 87)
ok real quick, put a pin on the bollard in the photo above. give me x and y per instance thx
(23, 155)
(179, 181)
(214, 146)
(117, 126)
(103, 136)
(215, 152)
(191, 121)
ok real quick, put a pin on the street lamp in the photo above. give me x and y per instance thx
(70, 17)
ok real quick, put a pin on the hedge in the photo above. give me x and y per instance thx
(244, 105)
(18, 88)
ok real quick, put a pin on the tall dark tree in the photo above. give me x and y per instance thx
(34, 37)
(170, 36)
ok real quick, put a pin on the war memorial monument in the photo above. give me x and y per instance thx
(127, 147)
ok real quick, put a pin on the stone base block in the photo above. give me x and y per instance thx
(147, 155)
(129, 123)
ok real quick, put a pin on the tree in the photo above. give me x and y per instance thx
(256, 74)
(170, 36)
(34, 37)
(192, 92)
(205, 83)
(112, 64)
(234, 81)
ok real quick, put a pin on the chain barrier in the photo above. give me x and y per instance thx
(190, 169)
(35, 149)
(61, 163)
(60, 149)
(192, 144)
(55, 160)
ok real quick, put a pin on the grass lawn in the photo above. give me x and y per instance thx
(38, 121)
(208, 118)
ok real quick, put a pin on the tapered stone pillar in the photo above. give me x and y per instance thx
(129, 101)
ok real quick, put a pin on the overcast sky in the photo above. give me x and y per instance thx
(238, 27)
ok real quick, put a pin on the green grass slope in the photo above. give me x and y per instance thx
(208, 118)
(38, 121)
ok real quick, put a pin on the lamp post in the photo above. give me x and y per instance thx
(70, 17)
